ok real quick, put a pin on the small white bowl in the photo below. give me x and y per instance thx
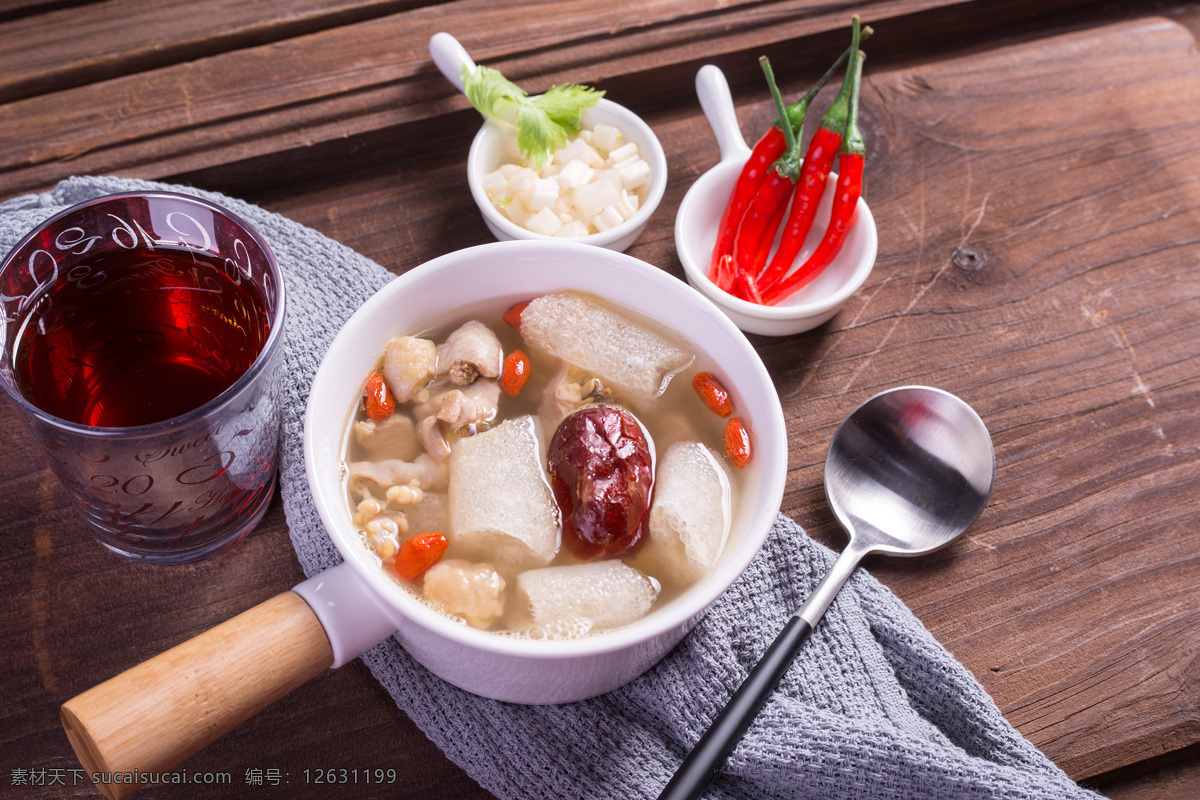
(488, 147)
(496, 275)
(699, 217)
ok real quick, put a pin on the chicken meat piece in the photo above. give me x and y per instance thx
(428, 473)
(433, 436)
(474, 592)
(451, 410)
(393, 437)
(470, 405)
(384, 532)
(408, 364)
(568, 389)
(469, 352)
(431, 401)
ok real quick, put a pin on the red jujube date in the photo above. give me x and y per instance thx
(602, 477)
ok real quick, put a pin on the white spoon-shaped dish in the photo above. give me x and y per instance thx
(487, 149)
(699, 217)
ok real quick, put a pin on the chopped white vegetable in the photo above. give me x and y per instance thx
(573, 230)
(605, 138)
(545, 222)
(592, 184)
(634, 174)
(515, 209)
(494, 182)
(578, 149)
(628, 204)
(521, 182)
(545, 192)
(624, 152)
(575, 172)
(607, 219)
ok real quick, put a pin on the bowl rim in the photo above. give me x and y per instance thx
(785, 311)
(682, 611)
(628, 121)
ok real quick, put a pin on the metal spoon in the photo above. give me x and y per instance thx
(907, 472)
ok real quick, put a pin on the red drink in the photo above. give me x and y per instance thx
(142, 345)
(143, 336)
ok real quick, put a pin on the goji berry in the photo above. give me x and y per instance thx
(737, 442)
(712, 393)
(516, 372)
(418, 554)
(513, 314)
(377, 399)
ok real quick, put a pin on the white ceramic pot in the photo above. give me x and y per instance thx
(495, 276)
(161, 711)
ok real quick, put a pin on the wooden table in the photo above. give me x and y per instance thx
(1032, 169)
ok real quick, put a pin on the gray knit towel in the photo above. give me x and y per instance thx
(873, 708)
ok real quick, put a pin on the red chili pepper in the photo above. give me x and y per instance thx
(722, 273)
(770, 146)
(747, 287)
(818, 162)
(765, 212)
(845, 203)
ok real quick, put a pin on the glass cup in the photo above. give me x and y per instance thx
(142, 346)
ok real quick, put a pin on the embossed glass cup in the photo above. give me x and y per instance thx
(142, 345)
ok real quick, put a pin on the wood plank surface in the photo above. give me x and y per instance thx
(376, 75)
(1049, 260)
(1039, 256)
(76, 46)
(1052, 233)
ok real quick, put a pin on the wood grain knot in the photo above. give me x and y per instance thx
(968, 259)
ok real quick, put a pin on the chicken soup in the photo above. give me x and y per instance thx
(545, 471)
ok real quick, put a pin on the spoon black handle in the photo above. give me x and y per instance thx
(727, 729)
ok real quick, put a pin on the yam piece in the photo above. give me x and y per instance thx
(501, 508)
(691, 514)
(593, 337)
(578, 599)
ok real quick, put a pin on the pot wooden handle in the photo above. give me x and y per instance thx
(155, 715)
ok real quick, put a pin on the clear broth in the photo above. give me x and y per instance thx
(678, 414)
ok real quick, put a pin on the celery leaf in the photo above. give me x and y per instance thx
(543, 123)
